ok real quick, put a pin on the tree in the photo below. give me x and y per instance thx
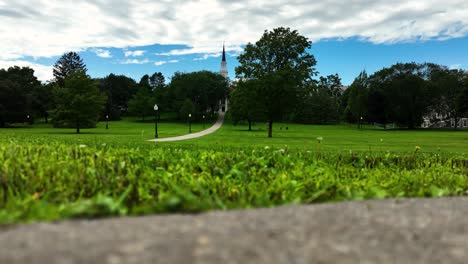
(67, 65)
(16, 88)
(399, 94)
(157, 81)
(43, 100)
(78, 102)
(280, 61)
(204, 89)
(358, 97)
(142, 103)
(449, 85)
(316, 106)
(243, 103)
(462, 101)
(186, 109)
(119, 90)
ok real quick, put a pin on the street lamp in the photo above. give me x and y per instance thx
(107, 121)
(203, 121)
(190, 122)
(29, 120)
(156, 120)
(360, 123)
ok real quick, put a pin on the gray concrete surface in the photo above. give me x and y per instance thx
(202, 133)
(387, 231)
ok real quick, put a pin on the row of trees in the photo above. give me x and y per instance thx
(73, 99)
(405, 93)
(277, 83)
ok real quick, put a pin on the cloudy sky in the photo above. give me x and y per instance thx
(144, 36)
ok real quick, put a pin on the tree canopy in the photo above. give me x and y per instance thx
(67, 65)
(280, 61)
(78, 102)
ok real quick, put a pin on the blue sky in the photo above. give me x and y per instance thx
(140, 37)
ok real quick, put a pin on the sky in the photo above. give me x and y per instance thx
(140, 37)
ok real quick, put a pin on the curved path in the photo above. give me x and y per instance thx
(386, 231)
(205, 132)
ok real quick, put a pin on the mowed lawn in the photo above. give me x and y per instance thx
(341, 138)
(132, 132)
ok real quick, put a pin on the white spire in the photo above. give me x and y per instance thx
(223, 70)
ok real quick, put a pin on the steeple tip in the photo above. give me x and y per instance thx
(224, 53)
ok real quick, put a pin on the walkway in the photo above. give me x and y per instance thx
(205, 132)
(388, 231)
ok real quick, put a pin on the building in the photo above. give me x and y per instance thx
(436, 120)
(224, 72)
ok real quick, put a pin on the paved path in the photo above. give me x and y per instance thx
(205, 132)
(388, 231)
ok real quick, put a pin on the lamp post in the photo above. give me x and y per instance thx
(190, 123)
(203, 121)
(156, 120)
(29, 120)
(360, 122)
(107, 121)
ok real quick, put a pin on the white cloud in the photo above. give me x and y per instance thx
(135, 61)
(60, 26)
(135, 53)
(455, 66)
(208, 55)
(159, 63)
(42, 72)
(102, 53)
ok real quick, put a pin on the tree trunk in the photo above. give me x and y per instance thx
(250, 125)
(270, 128)
(77, 126)
(46, 118)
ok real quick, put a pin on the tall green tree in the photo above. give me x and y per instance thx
(400, 94)
(281, 62)
(78, 103)
(67, 65)
(358, 97)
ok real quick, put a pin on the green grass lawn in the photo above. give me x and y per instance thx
(49, 174)
(338, 138)
(131, 132)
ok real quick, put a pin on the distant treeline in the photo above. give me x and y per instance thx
(402, 94)
(73, 99)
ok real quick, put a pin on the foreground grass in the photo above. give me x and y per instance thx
(56, 181)
(50, 174)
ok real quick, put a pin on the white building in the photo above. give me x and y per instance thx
(436, 120)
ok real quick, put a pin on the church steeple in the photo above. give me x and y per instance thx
(223, 71)
(224, 54)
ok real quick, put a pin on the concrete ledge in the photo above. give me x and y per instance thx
(385, 231)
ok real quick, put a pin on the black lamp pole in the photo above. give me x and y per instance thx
(107, 121)
(203, 121)
(156, 121)
(190, 122)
